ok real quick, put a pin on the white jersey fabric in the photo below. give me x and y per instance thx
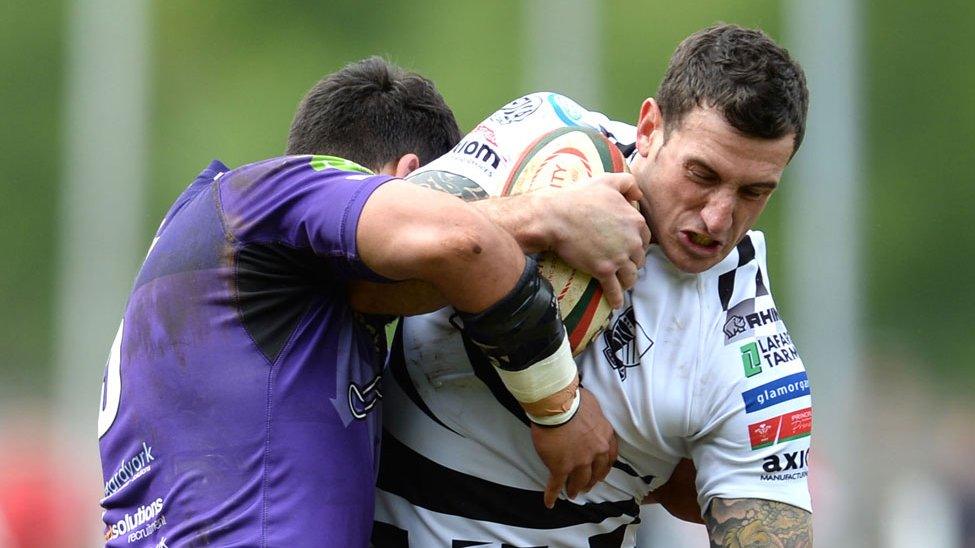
(693, 366)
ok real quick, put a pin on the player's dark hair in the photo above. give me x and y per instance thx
(373, 112)
(751, 80)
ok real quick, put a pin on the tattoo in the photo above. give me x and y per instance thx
(449, 182)
(741, 523)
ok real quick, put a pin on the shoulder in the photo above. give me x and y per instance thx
(295, 170)
(749, 343)
(296, 199)
(290, 180)
(741, 276)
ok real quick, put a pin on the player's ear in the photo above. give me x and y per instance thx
(407, 164)
(650, 120)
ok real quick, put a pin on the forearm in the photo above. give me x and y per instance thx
(407, 233)
(757, 522)
(522, 217)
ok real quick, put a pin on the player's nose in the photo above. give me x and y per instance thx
(718, 215)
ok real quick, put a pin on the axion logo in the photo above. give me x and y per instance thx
(786, 461)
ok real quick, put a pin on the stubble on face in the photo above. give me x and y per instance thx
(705, 185)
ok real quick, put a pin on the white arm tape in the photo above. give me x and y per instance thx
(561, 418)
(543, 378)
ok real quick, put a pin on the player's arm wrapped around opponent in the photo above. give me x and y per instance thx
(591, 226)
(506, 307)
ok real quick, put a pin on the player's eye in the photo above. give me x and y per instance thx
(753, 193)
(701, 175)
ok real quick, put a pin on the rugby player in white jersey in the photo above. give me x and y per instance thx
(697, 365)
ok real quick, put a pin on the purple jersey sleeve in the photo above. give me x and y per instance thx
(240, 401)
(301, 203)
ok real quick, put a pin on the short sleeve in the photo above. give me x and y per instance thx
(752, 424)
(302, 202)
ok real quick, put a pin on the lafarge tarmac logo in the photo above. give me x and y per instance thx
(130, 469)
(142, 523)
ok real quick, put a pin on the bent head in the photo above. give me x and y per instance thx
(729, 115)
(377, 115)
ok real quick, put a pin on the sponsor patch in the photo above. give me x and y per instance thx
(780, 390)
(790, 426)
(130, 469)
(362, 399)
(143, 522)
(517, 110)
(743, 320)
(777, 349)
(751, 360)
(477, 151)
(785, 461)
(626, 342)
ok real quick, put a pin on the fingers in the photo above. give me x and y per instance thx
(578, 481)
(612, 289)
(645, 235)
(601, 466)
(627, 275)
(553, 488)
(624, 183)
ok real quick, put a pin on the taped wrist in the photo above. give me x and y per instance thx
(524, 338)
(523, 327)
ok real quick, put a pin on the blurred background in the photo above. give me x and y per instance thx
(110, 108)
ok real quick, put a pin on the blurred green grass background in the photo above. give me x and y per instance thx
(225, 77)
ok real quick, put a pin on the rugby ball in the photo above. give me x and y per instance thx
(561, 158)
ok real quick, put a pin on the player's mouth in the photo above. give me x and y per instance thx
(700, 244)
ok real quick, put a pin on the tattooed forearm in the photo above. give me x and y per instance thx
(451, 183)
(758, 523)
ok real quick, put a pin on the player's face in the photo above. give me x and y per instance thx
(706, 186)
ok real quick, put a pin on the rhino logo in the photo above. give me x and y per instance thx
(734, 326)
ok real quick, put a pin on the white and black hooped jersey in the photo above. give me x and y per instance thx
(693, 366)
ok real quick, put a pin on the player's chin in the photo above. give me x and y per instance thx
(690, 263)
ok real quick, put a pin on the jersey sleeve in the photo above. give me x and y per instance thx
(304, 202)
(751, 426)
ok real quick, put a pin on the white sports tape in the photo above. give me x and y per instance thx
(543, 378)
(561, 418)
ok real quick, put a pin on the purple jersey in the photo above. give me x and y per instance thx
(239, 404)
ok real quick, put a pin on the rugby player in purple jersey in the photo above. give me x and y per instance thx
(240, 398)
